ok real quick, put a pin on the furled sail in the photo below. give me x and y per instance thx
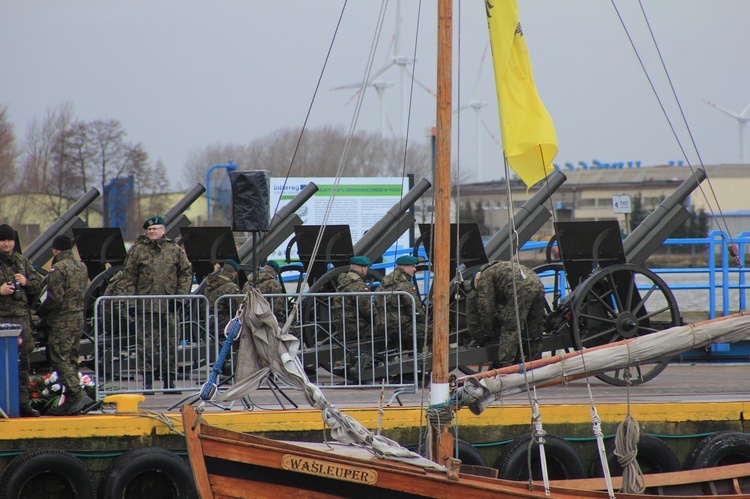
(265, 350)
(478, 394)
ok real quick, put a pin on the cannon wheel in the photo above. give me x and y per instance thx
(559, 283)
(556, 336)
(608, 307)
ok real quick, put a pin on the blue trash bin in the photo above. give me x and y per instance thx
(9, 334)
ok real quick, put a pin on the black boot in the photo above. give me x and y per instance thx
(26, 411)
(148, 382)
(169, 386)
(73, 405)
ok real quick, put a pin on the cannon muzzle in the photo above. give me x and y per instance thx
(40, 249)
(661, 223)
(529, 219)
(281, 227)
(389, 228)
(174, 217)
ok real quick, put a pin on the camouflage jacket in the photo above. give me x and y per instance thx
(393, 311)
(13, 264)
(269, 284)
(116, 285)
(66, 290)
(495, 307)
(157, 268)
(219, 284)
(354, 312)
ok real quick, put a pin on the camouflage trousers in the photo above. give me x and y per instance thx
(532, 327)
(62, 346)
(401, 334)
(157, 343)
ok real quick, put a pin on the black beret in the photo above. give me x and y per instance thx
(62, 243)
(7, 233)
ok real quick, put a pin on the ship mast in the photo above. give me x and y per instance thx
(441, 441)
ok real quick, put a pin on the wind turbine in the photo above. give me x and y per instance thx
(477, 106)
(403, 62)
(380, 87)
(742, 120)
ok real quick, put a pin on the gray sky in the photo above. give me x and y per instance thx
(182, 75)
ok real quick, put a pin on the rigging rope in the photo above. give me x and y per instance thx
(309, 111)
(536, 418)
(726, 233)
(626, 446)
(344, 155)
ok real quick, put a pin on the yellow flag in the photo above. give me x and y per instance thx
(529, 137)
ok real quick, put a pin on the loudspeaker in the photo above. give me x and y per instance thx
(251, 194)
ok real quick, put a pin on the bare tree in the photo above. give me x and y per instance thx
(113, 157)
(62, 183)
(200, 161)
(83, 153)
(149, 181)
(8, 151)
(43, 147)
(319, 154)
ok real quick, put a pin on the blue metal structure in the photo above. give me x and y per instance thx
(119, 195)
(222, 199)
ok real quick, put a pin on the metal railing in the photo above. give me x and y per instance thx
(157, 340)
(172, 342)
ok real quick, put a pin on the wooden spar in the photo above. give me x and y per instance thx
(441, 441)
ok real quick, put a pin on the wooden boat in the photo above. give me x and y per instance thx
(361, 464)
(230, 464)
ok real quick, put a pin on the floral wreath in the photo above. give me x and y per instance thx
(48, 391)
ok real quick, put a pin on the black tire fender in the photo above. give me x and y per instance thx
(563, 460)
(468, 454)
(722, 448)
(654, 456)
(29, 474)
(149, 472)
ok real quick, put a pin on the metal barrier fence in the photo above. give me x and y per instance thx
(161, 341)
(345, 340)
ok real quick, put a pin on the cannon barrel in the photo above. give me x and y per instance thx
(389, 228)
(174, 217)
(184, 203)
(281, 227)
(39, 251)
(529, 219)
(661, 223)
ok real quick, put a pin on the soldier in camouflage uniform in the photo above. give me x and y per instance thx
(19, 281)
(353, 315)
(116, 286)
(394, 313)
(492, 313)
(223, 283)
(269, 284)
(62, 312)
(157, 267)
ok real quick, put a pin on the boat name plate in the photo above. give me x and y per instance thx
(319, 467)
